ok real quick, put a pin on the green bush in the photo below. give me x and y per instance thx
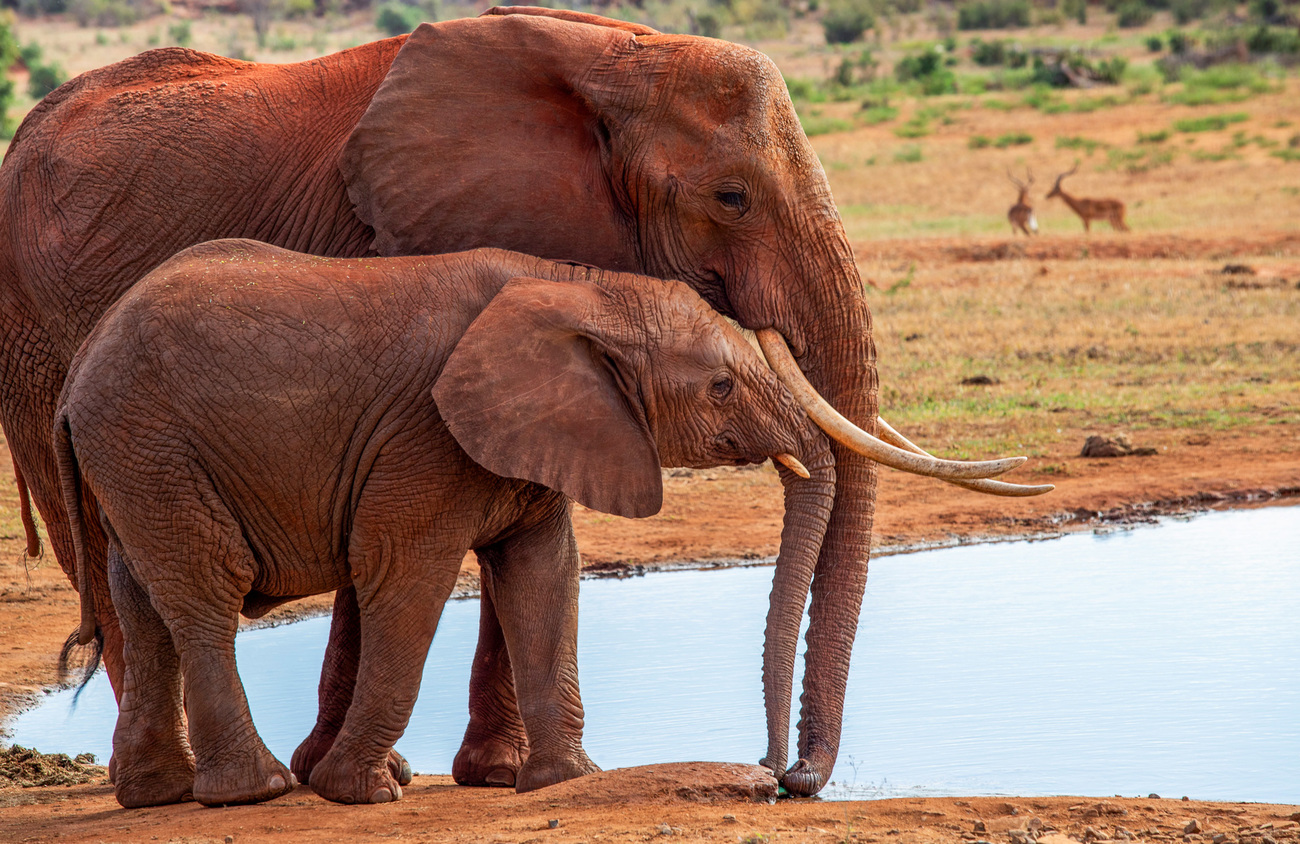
(1266, 39)
(1186, 11)
(978, 142)
(1088, 145)
(1077, 9)
(179, 33)
(1153, 137)
(398, 18)
(44, 78)
(1179, 42)
(847, 21)
(993, 14)
(111, 12)
(1155, 43)
(1133, 13)
(929, 70)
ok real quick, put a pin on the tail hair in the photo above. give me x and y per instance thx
(89, 666)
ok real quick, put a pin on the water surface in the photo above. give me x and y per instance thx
(1159, 660)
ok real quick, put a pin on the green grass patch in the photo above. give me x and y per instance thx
(908, 154)
(1153, 137)
(916, 127)
(1286, 154)
(1210, 123)
(815, 124)
(1013, 139)
(875, 115)
(1088, 145)
(978, 142)
(1087, 105)
(1225, 154)
(1138, 160)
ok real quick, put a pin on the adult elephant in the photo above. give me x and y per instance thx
(552, 133)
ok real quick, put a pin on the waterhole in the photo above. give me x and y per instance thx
(1163, 659)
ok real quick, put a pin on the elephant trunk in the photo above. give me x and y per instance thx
(839, 359)
(808, 506)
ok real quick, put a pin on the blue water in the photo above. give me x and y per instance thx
(1161, 659)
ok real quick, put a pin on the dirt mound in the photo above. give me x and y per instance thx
(691, 782)
(26, 768)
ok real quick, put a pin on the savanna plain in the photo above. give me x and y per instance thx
(1182, 335)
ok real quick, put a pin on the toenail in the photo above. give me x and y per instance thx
(381, 795)
(276, 782)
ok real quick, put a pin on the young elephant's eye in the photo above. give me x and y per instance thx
(721, 387)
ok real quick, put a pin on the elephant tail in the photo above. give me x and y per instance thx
(70, 481)
(25, 509)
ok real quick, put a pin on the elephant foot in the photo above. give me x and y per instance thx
(315, 746)
(804, 779)
(539, 773)
(244, 781)
(346, 780)
(154, 782)
(491, 762)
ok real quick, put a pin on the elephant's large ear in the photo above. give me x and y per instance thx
(493, 131)
(533, 391)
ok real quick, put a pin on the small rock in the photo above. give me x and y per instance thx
(979, 826)
(1268, 839)
(1153, 796)
(665, 829)
(979, 381)
(1192, 826)
(553, 823)
(1121, 832)
(230, 839)
(1034, 825)
(1118, 445)
(1219, 838)
(729, 818)
(1238, 269)
(1091, 833)
(1018, 836)
(1268, 825)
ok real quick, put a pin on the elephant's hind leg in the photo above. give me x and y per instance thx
(198, 585)
(338, 678)
(495, 746)
(154, 763)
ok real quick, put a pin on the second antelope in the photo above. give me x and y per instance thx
(1110, 210)
(1021, 215)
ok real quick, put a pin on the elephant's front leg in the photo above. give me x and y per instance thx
(338, 677)
(534, 587)
(495, 744)
(400, 595)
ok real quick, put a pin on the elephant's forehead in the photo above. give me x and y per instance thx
(743, 97)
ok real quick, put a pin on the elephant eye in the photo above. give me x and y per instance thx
(733, 199)
(721, 387)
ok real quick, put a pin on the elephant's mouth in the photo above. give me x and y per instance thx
(895, 450)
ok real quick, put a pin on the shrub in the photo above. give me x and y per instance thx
(928, 69)
(988, 53)
(875, 115)
(993, 14)
(44, 79)
(1153, 137)
(110, 12)
(398, 18)
(845, 22)
(1155, 43)
(1186, 11)
(1133, 13)
(1086, 144)
(1179, 42)
(1077, 9)
(978, 142)
(1266, 39)
(179, 33)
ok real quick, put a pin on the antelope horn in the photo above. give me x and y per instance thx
(845, 432)
(891, 436)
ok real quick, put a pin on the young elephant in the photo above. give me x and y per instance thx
(258, 425)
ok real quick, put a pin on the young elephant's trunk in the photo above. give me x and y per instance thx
(808, 506)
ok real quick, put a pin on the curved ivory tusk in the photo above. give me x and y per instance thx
(792, 463)
(891, 436)
(842, 430)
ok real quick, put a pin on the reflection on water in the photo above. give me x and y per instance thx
(1156, 660)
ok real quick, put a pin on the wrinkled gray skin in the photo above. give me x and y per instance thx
(259, 425)
(555, 134)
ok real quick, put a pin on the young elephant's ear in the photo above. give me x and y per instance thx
(532, 391)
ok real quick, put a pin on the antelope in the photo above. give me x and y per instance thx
(1110, 210)
(1021, 215)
